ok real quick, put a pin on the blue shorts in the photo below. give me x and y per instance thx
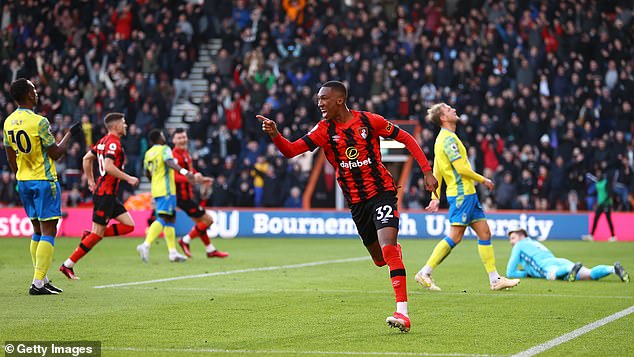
(465, 211)
(165, 205)
(42, 199)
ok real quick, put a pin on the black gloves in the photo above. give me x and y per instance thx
(75, 129)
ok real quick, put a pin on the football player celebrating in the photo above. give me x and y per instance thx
(110, 158)
(350, 140)
(185, 197)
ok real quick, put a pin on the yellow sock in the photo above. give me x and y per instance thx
(485, 249)
(43, 257)
(33, 249)
(153, 232)
(170, 237)
(441, 251)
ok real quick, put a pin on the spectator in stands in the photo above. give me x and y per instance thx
(506, 192)
(559, 184)
(294, 200)
(182, 85)
(260, 168)
(272, 191)
(8, 191)
(413, 199)
(135, 145)
(221, 195)
(244, 196)
(75, 197)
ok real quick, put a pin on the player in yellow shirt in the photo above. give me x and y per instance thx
(159, 165)
(452, 166)
(32, 151)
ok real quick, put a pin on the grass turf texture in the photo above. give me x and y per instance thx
(335, 308)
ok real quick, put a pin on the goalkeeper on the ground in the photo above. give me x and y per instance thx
(530, 258)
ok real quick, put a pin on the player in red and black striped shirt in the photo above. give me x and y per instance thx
(110, 158)
(350, 140)
(185, 198)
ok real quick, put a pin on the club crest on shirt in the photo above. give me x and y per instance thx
(363, 131)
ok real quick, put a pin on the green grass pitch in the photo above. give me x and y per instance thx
(310, 309)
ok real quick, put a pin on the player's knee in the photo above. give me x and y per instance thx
(49, 228)
(167, 218)
(485, 236)
(128, 222)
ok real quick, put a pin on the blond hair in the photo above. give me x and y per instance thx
(433, 113)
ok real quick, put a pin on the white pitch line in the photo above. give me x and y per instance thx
(229, 272)
(279, 352)
(503, 294)
(574, 334)
(386, 292)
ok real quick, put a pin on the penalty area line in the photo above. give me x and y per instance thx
(574, 334)
(230, 272)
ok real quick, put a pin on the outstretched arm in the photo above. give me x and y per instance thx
(170, 162)
(431, 183)
(287, 148)
(200, 178)
(512, 269)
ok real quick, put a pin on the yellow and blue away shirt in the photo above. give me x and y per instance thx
(163, 183)
(30, 135)
(447, 149)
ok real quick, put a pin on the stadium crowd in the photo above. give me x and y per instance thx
(543, 87)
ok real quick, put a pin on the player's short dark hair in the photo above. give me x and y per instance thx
(337, 86)
(517, 230)
(20, 89)
(179, 131)
(112, 117)
(154, 135)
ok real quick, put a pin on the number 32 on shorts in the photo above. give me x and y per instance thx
(384, 213)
